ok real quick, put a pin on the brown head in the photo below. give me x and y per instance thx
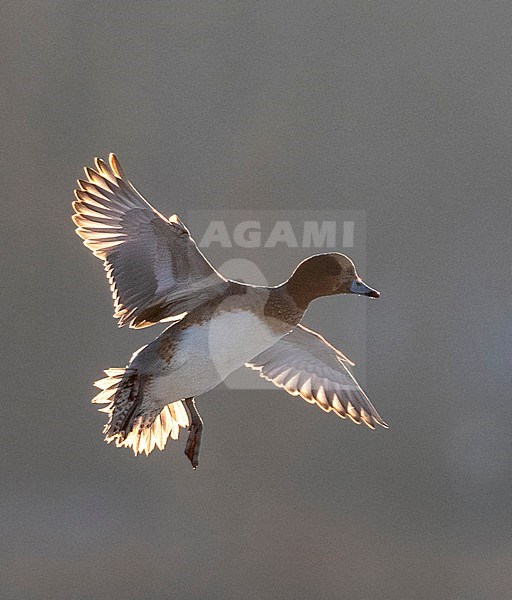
(324, 275)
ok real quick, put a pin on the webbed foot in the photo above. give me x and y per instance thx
(195, 432)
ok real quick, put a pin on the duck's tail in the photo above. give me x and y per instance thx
(130, 424)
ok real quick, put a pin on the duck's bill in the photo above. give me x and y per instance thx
(360, 287)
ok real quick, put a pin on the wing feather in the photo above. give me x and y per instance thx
(155, 269)
(306, 365)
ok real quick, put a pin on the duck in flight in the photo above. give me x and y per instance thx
(158, 274)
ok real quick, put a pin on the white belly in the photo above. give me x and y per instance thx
(207, 353)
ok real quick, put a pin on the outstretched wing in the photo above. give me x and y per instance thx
(306, 365)
(155, 268)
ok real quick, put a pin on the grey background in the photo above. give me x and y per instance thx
(402, 109)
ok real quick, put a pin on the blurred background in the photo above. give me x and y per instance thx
(401, 109)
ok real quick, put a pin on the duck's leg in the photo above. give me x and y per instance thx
(196, 430)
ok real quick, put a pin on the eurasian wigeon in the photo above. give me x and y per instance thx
(157, 273)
